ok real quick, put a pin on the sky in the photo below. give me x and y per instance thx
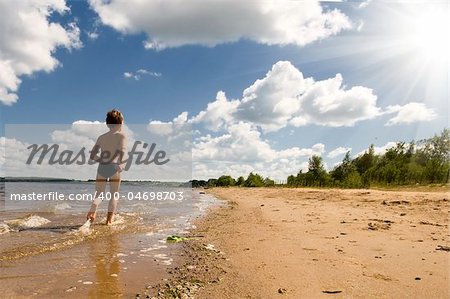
(263, 84)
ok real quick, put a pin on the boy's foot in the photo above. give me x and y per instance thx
(91, 216)
(109, 218)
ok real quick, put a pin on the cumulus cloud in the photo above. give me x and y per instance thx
(242, 149)
(243, 142)
(271, 101)
(338, 152)
(173, 23)
(379, 150)
(284, 97)
(328, 103)
(218, 113)
(162, 128)
(364, 4)
(410, 113)
(28, 40)
(140, 73)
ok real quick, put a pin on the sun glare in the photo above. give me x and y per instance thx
(425, 33)
(428, 36)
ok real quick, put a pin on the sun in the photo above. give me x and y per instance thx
(426, 34)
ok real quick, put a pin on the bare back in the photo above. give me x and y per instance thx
(111, 146)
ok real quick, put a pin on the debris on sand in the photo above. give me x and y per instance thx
(443, 248)
(379, 224)
(282, 291)
(176, 239)
(331, 292)
(430, 223)
(201, 268)
(395, 202)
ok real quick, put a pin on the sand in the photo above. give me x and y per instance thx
(312, 243)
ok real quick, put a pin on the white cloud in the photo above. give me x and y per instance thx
(218, 113)
(172, 23)
(338, 152)
(379, 150)
(241, 150)
(242, 141)
(162, 128)
(285, 97)
(364, 4)
(410, 113)
(28, 41)
(139, 73)
(93, 35)
(329, 103)
(177, 129)
(272, 101)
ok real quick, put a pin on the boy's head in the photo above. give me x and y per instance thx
(113, 118)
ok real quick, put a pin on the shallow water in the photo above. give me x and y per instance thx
(57, 253)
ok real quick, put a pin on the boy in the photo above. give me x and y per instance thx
(112, 148)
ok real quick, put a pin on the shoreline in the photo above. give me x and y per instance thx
(312, 243)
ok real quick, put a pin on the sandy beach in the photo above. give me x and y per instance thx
(312, 243)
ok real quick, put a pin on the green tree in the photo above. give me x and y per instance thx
(268, 182)
(225, 181)
(317, 175)
(212, 183)
(434, 154)
(240, 181)
(254, 180)
(291, 181)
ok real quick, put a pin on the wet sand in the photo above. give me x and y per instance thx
(112, 265)
(312, 243)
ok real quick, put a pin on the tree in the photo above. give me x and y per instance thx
(435, 156)
(212, 183)
(366, 161)
(225, 181)
(254, 180)
(268, 182)
(240, 181)
(291, 181)
(317, 175)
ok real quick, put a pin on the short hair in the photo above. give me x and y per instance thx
(114, 117)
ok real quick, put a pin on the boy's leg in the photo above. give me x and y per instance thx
(114, 183)
(100, 186)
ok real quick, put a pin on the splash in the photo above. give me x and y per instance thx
(85, 228)
(27, 222)
(4, 228)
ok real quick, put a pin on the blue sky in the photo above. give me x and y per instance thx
(393, 51)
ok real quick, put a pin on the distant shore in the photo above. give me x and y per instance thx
(317, 243)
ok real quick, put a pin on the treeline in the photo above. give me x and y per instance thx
(252, 180)
(424, 162)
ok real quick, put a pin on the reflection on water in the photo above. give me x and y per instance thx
(2, 196)
(104, 254)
